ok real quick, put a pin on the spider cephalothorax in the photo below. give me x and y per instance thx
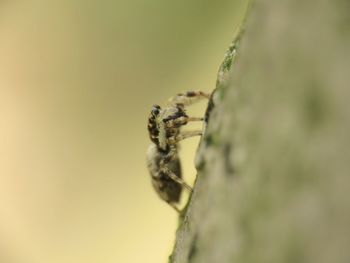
(164, 127)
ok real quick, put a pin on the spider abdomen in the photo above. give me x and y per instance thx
(167, 188)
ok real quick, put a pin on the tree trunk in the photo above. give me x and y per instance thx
(273, 164)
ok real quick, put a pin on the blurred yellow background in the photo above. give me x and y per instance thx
(77, 82)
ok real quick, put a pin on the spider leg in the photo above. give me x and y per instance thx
(176, 179)
(187, 134)
(195, 119)
(175, 207)
(188, 98)
(176, 121)
(183, 120)
(183, 135)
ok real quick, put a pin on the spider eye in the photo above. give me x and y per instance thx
(155, 110)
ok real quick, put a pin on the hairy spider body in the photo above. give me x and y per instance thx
(164, 124)
(167, 189)
(164, 127)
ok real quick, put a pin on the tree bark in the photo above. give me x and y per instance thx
(273, 164)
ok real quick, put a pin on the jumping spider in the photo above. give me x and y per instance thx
(164, 126)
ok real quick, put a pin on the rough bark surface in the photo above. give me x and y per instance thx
(274, 163)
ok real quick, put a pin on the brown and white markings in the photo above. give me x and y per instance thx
(164, 127)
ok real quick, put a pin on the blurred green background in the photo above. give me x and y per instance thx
(77, 81)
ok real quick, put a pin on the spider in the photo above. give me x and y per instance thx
(164, 126)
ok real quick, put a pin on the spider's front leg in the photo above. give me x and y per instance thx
(195, 119)
(188, 98)
(175, 121)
